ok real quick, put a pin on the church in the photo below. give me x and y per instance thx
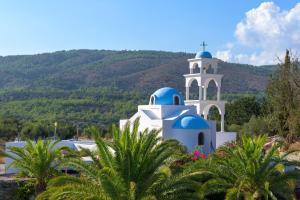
(186, 120)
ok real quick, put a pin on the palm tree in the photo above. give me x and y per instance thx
(134, 165)
(38, 160)
(247, 171)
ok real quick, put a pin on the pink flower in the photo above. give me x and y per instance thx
(197, 153)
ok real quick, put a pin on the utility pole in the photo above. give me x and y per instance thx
(77, 132)
(55, 129)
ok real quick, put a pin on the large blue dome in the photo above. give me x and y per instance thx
(166, 96)
(191, 122)
(203, 54)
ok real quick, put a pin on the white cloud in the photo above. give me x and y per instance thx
(229, 45)
(261, 58)
(224, 55)
(267, 29)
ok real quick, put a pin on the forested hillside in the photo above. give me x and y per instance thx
(100, 86)
(123, 69)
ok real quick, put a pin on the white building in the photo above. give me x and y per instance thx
(76, 145)
(182, 119)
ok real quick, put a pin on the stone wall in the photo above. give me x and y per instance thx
(8, 186)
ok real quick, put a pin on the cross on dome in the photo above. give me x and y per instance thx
(204, 45)
(203, 54)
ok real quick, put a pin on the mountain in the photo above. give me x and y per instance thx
(100, 86)
(141, 70)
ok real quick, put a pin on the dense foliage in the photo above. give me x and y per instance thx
(276, 114)
(139, 165)
(246, 170)
(283, 94)
(34, 116)
(132, 166)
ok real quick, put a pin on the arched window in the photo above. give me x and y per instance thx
(209, 70)
(151, 100)
(211, 89)
(201, 139)
(176, 100)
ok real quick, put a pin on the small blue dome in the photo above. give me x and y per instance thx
(166, 96)
(203, 54)
(191, 122)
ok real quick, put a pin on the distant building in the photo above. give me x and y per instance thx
(186, 120)
(76, 145)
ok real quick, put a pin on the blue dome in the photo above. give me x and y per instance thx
(191, 122)
(166, 96)
(203, 54)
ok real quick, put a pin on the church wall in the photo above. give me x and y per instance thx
(150, 124)
(207, 140)
(155, 109)
(187, 137)
(122, 123)
(224, 137)
(212, 125)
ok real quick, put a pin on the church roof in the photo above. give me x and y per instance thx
(191, 122)
(203, 54)
(166, 96)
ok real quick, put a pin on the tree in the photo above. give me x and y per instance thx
(240, 111)
(131, 166)
(283, 94)
(38, 160)
(256, 126)
(247, 171)
(34, 130)
(9, 128)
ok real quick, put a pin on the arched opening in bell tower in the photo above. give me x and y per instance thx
(194, 90)
(195, 69)
(209, 69)
(214, 114)
(212, 90)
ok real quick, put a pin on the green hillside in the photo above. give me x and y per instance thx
(100, 86)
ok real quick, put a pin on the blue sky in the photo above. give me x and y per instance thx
(29, 27)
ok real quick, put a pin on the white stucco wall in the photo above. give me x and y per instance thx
(225, 137)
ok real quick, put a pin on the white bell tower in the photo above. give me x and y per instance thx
(203, 69)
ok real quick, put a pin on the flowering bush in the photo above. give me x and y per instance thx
(197, 153)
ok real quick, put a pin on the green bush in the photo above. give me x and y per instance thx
(25, 190)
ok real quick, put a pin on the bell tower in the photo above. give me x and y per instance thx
(203, 69)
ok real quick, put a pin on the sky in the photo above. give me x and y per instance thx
(252, 31)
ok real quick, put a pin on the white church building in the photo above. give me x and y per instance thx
(186, 119)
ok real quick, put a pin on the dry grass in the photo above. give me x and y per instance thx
(295, 146)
